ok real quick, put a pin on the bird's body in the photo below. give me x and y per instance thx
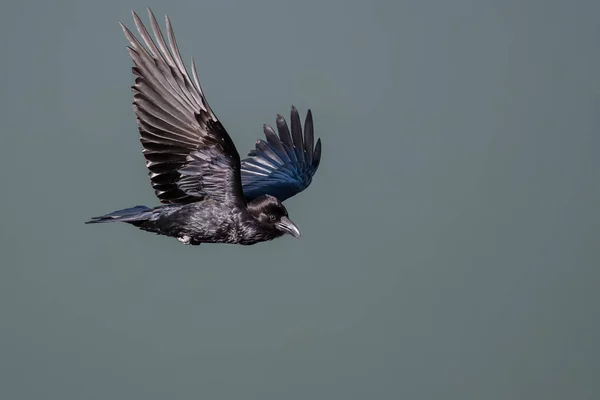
(204, 222)
(200, 222)
(210, 194)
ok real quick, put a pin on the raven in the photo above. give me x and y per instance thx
(209, 195)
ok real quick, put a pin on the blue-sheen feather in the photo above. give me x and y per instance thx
(284, 165)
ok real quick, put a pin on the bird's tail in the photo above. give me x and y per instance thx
(131, 215)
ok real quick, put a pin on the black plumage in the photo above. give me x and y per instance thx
(282, 167)
(209, 194)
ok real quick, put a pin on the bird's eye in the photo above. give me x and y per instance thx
(272, 218)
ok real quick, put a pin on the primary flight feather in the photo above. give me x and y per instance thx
(209, 194)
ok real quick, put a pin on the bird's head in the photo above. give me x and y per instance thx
(271, 213)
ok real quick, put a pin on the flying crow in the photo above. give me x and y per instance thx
(209, 194)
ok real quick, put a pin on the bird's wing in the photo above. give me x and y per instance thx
(283, 165)
(188, 152)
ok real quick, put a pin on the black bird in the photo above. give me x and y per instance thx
(209, 194)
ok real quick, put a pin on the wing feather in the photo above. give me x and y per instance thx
(189, 154)
(284, 165)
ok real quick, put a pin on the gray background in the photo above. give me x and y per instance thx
(450, 238)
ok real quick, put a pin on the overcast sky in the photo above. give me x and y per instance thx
(450, 237)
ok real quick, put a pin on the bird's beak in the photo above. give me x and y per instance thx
(287, 226)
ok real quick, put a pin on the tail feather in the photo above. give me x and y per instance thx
(137, 213)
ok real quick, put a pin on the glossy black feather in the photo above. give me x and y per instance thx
(175, 121)
(284, 165)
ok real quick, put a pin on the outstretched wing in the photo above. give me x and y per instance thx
(283, 165)
(188, 152)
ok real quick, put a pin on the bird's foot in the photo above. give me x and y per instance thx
(185, 239)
